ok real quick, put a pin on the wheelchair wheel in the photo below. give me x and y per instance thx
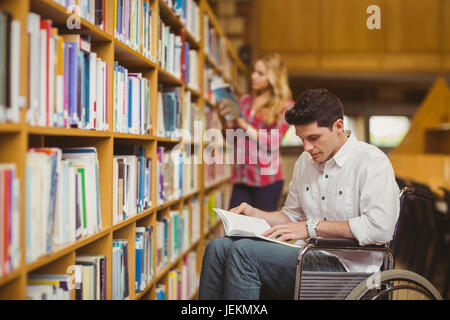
(395, 285)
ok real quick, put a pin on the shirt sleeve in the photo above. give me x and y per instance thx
(292, 206)
(379, 204)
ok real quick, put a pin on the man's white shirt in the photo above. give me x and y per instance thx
(357, 184)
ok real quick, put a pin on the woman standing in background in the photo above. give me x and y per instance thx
(263, 108)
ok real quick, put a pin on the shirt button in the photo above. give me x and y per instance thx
(326, 176)
(307, 188)
(340, 192)
(323, 198)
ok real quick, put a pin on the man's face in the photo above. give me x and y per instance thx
(321, 142)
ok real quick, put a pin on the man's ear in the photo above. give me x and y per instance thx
(339, 125)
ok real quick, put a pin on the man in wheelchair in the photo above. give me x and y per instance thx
(341, 188)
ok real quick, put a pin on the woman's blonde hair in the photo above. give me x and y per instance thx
(277, 75)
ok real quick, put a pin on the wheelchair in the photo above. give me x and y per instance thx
(386, 284)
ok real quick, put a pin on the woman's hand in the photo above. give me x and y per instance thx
(289, 231)
(223, 111)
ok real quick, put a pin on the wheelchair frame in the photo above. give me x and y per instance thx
(338, 285)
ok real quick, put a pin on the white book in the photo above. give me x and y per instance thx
(42, 78)
(115, 191)
(71, 226)
(33, 27)
(161, 131)
(92, 89)
(238, 225)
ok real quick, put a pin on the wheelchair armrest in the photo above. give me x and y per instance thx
(340, 242)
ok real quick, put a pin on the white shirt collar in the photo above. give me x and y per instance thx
(343, 153)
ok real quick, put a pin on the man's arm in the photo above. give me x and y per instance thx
(299, 230)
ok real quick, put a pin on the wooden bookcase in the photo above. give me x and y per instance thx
(17, 138)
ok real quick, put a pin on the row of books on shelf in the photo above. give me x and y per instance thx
(87, 277)
(176, 175)
(67, 81)
(133, 25)
(131, 102)
(174, 233)
(191, 118)
(217, 199)
(10, 52)
(216, 47)
(182, 283)
(131, 182)
(9, 219)
(62, 198)
(176, 56)
(91, 10)
(189, 13)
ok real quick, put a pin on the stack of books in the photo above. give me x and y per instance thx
(9, 219)
(93, 11)
(144, 257)
(183, 283)
(132, 172)
(131, 102)
(195, 213)
(68, 81)
(169, 111)
(129, 17)
(189, 13)
(169, 173)
(62, 198)
(91, 270)
(170, 238)
(10, 51)
(120, 289)
(160, 291)
(49, 287)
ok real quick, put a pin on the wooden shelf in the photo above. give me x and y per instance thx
(49, 9)
(129, 58)
(64, 250)
(67, 132)
(16, 138)
(169, 17)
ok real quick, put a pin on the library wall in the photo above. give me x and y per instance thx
(332, 36)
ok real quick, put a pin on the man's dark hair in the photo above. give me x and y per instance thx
(319, 105)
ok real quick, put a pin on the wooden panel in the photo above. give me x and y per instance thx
(288, 25)
(344, 26)
(445, 13)
(413, 25)
(433, 170)
(432, 112)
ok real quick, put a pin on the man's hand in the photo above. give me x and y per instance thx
(289, 231)
(245, 209)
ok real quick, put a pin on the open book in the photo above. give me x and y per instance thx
(238, 225)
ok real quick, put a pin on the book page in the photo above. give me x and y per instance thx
(240, 225)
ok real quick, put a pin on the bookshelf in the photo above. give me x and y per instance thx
(17, 138)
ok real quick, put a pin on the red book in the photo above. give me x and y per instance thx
(47, 26)
(183, 57)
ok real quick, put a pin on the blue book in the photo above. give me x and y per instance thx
(139, 252)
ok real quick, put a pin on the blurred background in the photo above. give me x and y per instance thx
(393, 82)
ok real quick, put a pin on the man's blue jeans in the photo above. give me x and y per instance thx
(250, 268)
